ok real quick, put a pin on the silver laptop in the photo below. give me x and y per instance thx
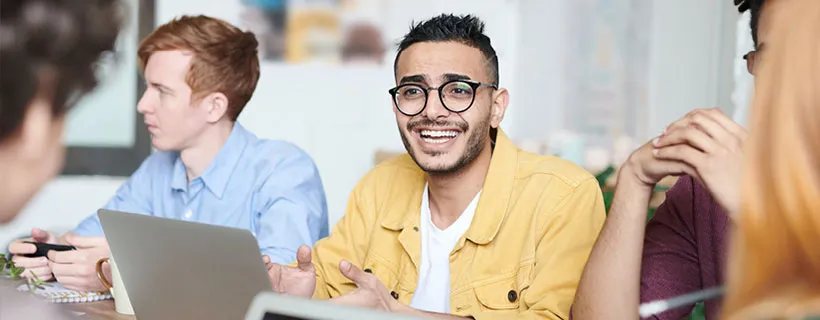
(273, 306)
(183, 270)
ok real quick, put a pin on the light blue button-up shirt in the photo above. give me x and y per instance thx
(271, 188)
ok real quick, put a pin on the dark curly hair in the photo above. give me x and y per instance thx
(49, 48)
(465, 29)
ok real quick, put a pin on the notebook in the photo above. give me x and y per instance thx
(56, 293)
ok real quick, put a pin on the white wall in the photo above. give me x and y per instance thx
(691, 60)
(686, 64)
(743, 81)
(540, 71)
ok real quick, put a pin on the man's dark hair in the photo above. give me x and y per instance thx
(466, 29)
(49, 48)
(754, 7)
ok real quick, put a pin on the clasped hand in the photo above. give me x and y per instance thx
(705, 144)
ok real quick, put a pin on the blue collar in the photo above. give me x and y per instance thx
(218, 173)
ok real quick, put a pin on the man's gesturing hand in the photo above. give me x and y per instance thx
(299, 281)
(371, 293)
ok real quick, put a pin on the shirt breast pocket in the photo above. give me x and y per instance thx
(383, 270)
(505, 293)
(499, 295)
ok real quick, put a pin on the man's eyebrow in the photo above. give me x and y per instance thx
(413, 78)
(454, 76)
(161, 86)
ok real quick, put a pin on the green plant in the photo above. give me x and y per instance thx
(35, 283)
(15, 273)
(604, 175)
(7, 267)
(698, 312)
(608, 193)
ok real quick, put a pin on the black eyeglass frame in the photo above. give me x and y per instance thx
(473, 84)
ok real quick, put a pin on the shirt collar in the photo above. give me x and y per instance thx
(492, 202)
(218, 173)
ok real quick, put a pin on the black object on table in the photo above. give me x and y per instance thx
(44, 248)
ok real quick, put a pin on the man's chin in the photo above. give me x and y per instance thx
(439, 162)
(440, 169)
(161, 146)
(436, 165)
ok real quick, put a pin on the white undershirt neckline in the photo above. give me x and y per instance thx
(433, 289)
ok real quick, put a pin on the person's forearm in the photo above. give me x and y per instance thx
(610, 285)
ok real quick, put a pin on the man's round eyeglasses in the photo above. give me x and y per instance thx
(455, 95)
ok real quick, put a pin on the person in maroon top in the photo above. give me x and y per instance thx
(683, 248)
(685, 243)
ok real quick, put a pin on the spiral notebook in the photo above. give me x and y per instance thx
(56, 293)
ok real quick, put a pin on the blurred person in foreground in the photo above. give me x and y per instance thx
(774, 260)
(683, 248)
(48, 52)
(465, 224)
(200, 73)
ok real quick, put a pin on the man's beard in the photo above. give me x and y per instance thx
(475, 144)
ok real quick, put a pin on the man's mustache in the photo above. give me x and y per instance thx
(424, 122)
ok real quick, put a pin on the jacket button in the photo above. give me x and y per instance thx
(394, 294)
(368, 270)
(416, 229)
(512, 296)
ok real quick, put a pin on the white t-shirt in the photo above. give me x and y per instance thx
(433, 290)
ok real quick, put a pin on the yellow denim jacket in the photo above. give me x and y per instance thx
(522, 257)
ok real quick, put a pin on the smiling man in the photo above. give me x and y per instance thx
(200, 72)
(466, 224)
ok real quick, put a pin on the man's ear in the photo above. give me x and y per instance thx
(216, 104)
(501, 99)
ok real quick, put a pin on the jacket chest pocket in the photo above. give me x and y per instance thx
(383, 270)
(499, 295)
(506, 293)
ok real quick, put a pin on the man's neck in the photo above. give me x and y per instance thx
(198, 157)
(450, 194)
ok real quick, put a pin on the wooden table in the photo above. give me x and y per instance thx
(103, 310)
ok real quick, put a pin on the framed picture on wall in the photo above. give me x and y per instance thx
(104, 134)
